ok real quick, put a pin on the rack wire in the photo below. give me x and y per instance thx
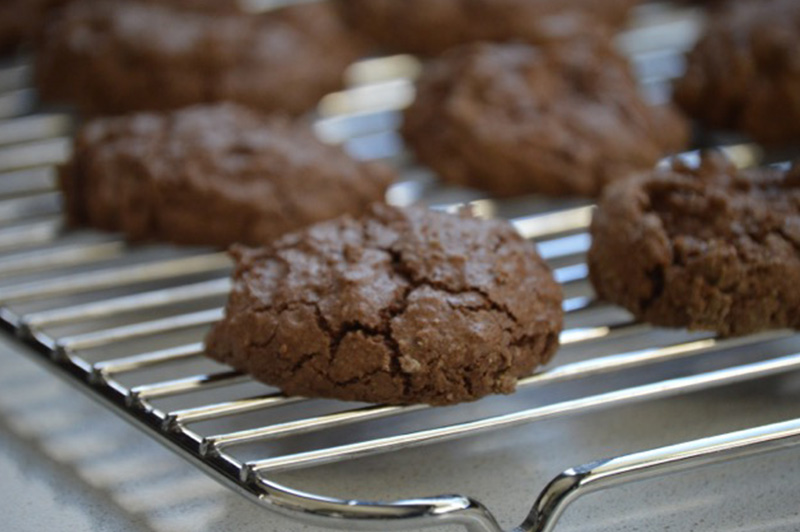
(125, 324)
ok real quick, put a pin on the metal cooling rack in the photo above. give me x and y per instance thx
(125, 324)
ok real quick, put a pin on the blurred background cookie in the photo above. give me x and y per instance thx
(558, 119)
(112, 56)
(21, 20)
(431, 26)
(211, 175)
(744, 73)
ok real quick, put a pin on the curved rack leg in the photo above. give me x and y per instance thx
(362, 515)
(578, 481)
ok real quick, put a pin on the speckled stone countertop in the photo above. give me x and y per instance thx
(68, 464)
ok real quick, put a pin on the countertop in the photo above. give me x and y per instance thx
(66, 463)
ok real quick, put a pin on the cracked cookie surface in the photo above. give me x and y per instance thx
(211, 175)
(400, 306)
(516, 119)
(710, 248)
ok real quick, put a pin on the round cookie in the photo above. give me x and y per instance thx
(211, 175)
(429, 27)
(515, 119)
(710, 248)
(744, 72)
(400, 306)
(110, 57)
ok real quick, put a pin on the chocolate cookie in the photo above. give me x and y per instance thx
(111, 57)
(515, 119)
(430, 27)
(21, 20)
(211, 175)
(744, 73)
(709, 248)
(208, 6)
(401, 306)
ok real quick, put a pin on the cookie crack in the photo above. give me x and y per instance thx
(266, 343)
(359, 379)
(301, 362)
(400, 268)
(398, 307)
(781, 233)
(415, 282)
(656, 275)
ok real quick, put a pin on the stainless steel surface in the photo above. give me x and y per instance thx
(666, 460)
(125, 325)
